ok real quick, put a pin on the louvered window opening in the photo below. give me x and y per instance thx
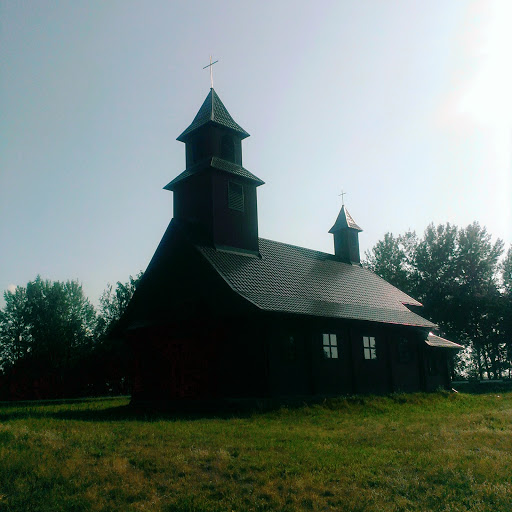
(235, 196)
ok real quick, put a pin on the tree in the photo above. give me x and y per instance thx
(506, 283)
(455, 273)
(113, 303)
(46, 330)
(61, 320)
(479, 313)
(433, 270)
(391, 258)
(111, 354)
(48, 320)
(506, 273)
(15, 337)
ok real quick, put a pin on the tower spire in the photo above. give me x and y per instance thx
(215, 196)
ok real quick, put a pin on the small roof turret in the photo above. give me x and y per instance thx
(346, 238)
(213, 111)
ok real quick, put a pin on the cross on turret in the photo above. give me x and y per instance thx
(211, 70)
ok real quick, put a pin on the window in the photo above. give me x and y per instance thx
(235, 196)
(370, 351)
(198, 148)
(404, 351)
(330, 346)
(227, 148)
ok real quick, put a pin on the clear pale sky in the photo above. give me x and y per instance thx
(405, 105)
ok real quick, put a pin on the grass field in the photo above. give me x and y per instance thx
(440, 452)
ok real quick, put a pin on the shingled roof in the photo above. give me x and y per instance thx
(213, 111)
(293, 279)
(215, 163)
(343, 221)
(437, 341)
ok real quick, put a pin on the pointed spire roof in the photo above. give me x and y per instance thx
(344, 221)
(213, 111)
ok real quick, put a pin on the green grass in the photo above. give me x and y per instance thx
(438, 452)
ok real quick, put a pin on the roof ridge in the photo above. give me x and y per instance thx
(301, 248)
(212, 113)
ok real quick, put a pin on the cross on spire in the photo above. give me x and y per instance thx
(211, 70)
(342, 198)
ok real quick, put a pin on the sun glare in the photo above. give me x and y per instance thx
(488, 97)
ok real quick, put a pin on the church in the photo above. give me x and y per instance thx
(223, 314)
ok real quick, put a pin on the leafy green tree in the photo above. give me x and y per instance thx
(479, 313)
(391, 258)
(433, 271)
(15, 336)
(61, 320)
(477, 260)
(111, 354)
(506, 283)
(46, 332)
(506, 273)
(52, 321)
(113, 303)
(455, 273)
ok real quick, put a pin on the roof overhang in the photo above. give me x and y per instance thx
(436, 341)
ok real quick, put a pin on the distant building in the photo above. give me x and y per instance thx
(223, 313)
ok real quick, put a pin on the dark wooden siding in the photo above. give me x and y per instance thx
(331, 375)
(234, 227)
(288, 356)
(373, 375)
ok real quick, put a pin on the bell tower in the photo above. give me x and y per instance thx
(215, 196)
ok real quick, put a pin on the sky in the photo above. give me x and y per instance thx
(404, 105)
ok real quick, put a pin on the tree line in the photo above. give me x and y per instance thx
(464, 281)
(53, 342)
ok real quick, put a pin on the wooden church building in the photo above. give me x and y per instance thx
(222, 313)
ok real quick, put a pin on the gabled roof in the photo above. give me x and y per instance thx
(437, 341)
(344, 221)
(213, 111)
(292, 279)
(215, 163)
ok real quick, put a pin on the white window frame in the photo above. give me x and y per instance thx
(330, 345)
(369, 348)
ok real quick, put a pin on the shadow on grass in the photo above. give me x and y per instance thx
(79, 410)
(90, 409)
(134, 413)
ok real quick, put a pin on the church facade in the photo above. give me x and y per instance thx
(221, 313)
